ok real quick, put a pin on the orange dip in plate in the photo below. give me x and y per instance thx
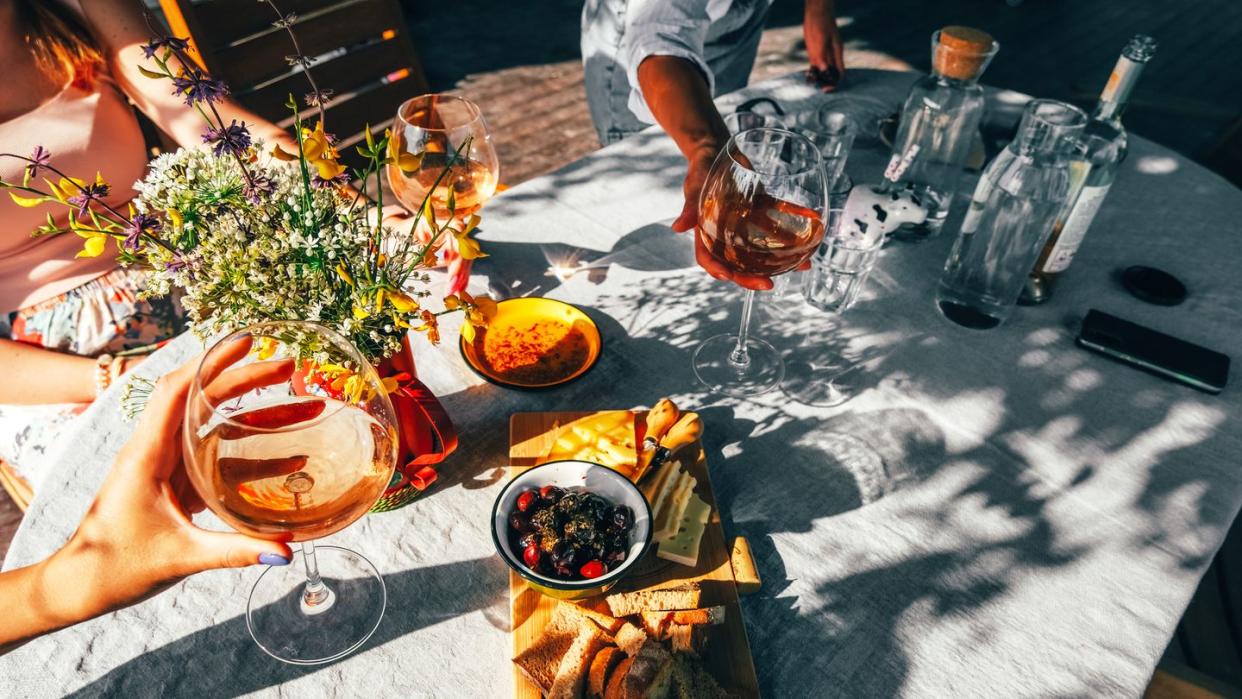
(543, 353)
(534, 343)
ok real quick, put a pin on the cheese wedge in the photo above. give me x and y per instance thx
(655, 483)
(659, 503)
(667, 515)
(608, 438)
(683, 547)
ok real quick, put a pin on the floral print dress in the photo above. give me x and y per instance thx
(103, 315)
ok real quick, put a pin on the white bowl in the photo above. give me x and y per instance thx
(574, 476)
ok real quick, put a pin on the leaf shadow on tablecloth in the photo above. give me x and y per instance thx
(965, 466)
(939, 528)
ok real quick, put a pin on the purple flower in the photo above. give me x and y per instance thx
(39, 158)
(142, 223)
(179, 262)
(319, 98)
(89, 193)
(195, 86)
(234, 138)
(169, 42)
(320, 183)
(258, 187)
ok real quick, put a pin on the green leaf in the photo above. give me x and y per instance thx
(151, 74)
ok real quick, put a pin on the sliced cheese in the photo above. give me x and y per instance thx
(656, 483)
(663, 497)
(667, 517)
(683, 548)
(606, 438)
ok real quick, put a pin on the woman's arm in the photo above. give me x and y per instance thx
(121, 28)
(37, 375)
(137, 539)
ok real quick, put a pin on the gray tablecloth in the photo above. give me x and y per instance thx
(998, 514)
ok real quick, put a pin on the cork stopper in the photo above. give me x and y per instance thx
(962, 53)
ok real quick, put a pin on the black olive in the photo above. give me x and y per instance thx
(519, 522)
(614, 558)
(622, 517)
(528, 539)
(550, 494)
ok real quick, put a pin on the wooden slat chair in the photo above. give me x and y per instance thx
(362, 49)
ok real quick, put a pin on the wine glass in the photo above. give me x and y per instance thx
(737, 122)
(762, 213)
(833, 132)
(295, 455)
(839, 270)
(433, 128)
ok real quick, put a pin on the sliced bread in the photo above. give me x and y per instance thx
(542, 660)
(572, 674)
(685, 596)
(630, 638)
(690, 680)
(650, 674)
(657, 624)
(615, 688)
(687, 638)
(605, 661)
(605, 622)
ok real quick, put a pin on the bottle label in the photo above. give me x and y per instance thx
(1075, 228)
(899, 163)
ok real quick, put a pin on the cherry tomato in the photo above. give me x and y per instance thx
(531, 556)
(592, 569)
(526, 499)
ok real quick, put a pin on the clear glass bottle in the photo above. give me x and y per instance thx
(1010, 217)
(1104, 148)
(939, 121)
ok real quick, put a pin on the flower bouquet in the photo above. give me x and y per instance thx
(248, 232)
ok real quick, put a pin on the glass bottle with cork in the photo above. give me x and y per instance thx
(1017, 200)
(1104, 147)
(939, 121)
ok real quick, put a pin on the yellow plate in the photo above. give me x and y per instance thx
(569, 338)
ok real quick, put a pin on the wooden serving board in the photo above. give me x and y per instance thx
(727, 653)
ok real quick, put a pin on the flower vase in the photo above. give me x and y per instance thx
(426, 434)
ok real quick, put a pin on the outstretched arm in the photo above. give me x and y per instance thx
(122, 30)
(137, 539)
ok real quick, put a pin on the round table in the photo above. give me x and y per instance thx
(999, 513)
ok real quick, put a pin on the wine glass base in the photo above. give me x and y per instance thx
(821, 387)
(713, 368)
(290, 631)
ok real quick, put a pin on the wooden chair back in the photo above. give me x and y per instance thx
(361, 49)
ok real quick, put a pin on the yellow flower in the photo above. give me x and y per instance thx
(379, 300)
(26, 202)
(94, 244)
(318, 152)
(361, 313)
(344, 274)
(402, 302)
(176, 218)
(406, 162)
(390, 384)
(467, 247)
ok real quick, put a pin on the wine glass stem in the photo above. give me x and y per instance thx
(739, 358)
(315, 591)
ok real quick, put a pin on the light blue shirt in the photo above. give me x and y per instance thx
(720, 37)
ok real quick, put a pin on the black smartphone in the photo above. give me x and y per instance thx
(1164, 355)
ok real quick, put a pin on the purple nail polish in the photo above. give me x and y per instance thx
(273, 559)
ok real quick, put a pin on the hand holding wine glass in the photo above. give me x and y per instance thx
(761, 214)
(137, 539)
(295, 460)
